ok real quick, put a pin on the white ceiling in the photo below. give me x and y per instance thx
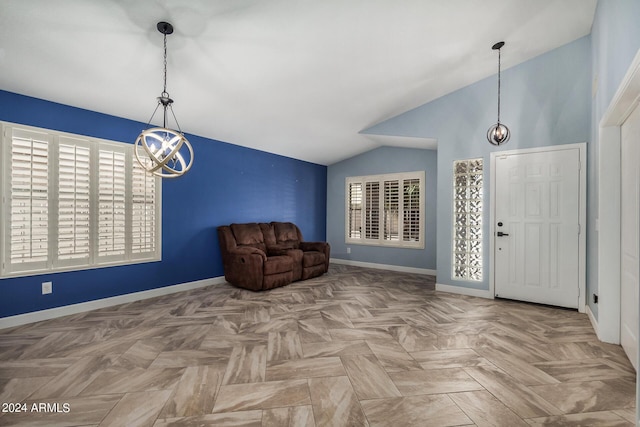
(300, 78)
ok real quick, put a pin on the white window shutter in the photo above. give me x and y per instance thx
(144, 219)
(28, 222)
(391, 209)
(355, 210)
(111, 203)
(372, 211)
(74, 201)
(411, 221)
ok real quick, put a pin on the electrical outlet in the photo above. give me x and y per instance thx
(348, 250)
(47, 288)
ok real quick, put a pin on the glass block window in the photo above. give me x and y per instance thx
(467, 219)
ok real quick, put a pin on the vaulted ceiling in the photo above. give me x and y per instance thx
(299, 78)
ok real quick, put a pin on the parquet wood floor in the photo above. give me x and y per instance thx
(354, 347)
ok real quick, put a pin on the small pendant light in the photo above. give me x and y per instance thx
(498, 134)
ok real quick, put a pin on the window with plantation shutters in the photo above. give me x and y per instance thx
(71, 202)
(390, 209)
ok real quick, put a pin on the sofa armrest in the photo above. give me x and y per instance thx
(243, 267)
(247, 250)
(323, 247)
(313, 246)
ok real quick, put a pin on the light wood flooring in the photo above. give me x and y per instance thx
(354, 347)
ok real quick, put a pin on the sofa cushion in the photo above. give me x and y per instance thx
(268, 234)
(286, 233)
(312, 258)
(278, 264)
(248, 235)
(280, 249)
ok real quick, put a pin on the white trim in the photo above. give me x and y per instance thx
(593, 320)
(626, 98)
(390, 267)
(52, 313)
(624, 101)
(482, 293)
(609, 235)
(582, 256)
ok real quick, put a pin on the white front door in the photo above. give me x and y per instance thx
(629, 236)
(537, 211)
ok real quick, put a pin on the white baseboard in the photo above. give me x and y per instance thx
(400, 268)
(464, 291)
(37, 316)
(593, 320)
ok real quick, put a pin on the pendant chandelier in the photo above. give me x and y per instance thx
(163, 151)
(498, 134)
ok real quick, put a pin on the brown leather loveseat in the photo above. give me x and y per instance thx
(260, 256)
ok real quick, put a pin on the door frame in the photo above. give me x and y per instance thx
(626, 98)
(582, 214)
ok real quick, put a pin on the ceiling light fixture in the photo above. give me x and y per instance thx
(163, 151)
(498, 134)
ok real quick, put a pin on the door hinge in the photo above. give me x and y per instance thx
(579, 229)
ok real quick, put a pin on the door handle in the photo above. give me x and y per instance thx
(500, 234)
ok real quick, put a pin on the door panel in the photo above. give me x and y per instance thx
(629, 238)
(537, 246)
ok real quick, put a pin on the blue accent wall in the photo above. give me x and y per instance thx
(545, 101)
(380, 161)
(226, 184)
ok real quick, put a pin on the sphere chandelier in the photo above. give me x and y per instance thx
(163, 151)
(498, 134)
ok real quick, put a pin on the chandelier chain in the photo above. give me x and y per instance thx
(165, 65)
